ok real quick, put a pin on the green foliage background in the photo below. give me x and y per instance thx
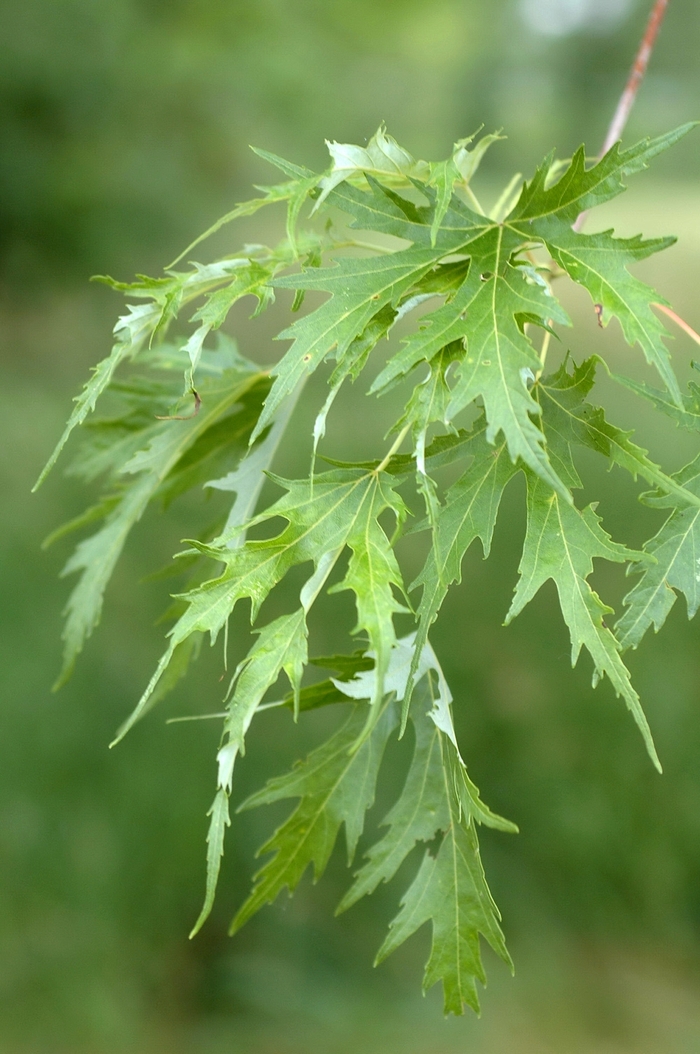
(125, 127)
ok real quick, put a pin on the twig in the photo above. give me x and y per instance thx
(617, 125)
(639, 68)
(679, 321)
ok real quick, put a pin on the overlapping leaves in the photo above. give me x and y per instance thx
(336, 785)
(411, 234)
(146, 459)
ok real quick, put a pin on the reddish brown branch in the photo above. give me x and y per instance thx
(617, 125)
(679, 321)
(639, 68)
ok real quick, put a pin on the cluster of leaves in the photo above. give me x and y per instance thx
(479, 399)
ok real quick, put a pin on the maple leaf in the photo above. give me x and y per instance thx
(561, 543)
(599, 261)
(132, 331)
(676, 551)
(469, 512)
(281, 645)
(360, 289)
(450, 891)
(674, 547)
(336, 785)
(572, 420)
(341, 510)
(150, 462)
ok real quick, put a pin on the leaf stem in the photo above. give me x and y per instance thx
(544, 349)
(356, 243)
(195, 717)
(505, 201)
(395, 446)
(472, 198)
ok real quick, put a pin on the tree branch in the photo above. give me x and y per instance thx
(624, 106)
(639, 68)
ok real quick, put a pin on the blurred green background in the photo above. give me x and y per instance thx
(125, 127)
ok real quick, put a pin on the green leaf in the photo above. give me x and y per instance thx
(353, 362)
(580, 189)
(336, 785)
(469, 512)
(599, 263)
(326, 693)
(571, 419)
(132, 331)
(360, 289)
(676, 552)
(246, 480)
(687, 415)
(429, 402)
(450, 889)
(272, 195)
(498, 357)
(162, 448)
(220, 820)
(280, 645)
(560, 544)
(341, 510)
(413, 234)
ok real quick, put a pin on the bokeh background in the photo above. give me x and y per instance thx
(124, 130)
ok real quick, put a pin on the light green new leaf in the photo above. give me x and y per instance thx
(560, 544)
(458, 169)
(381, 157)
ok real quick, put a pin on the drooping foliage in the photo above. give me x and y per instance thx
(384, 235)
